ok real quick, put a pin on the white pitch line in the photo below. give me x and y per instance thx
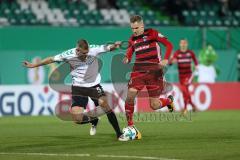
(47, 154)
(134, 157)
(85, 155)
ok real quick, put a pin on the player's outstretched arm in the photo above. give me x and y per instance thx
(169, 47)
(129, 53)
(114, 46)
(45, 61)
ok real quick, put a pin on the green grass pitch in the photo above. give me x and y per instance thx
(207, 135)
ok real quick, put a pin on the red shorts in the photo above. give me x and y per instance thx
(186, 80)
(153, 82)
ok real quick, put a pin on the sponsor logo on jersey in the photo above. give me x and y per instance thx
(142, 48)
(144, 38)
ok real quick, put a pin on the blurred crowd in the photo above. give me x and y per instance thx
(172, 7)
(175, 7)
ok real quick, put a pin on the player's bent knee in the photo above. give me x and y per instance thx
(131, 96)
(77, 115)
(103, 102)
(155, 105)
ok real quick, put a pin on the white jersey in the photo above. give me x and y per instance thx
(84, 73)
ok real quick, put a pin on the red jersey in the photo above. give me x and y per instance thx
(146, 47)
(184, 61)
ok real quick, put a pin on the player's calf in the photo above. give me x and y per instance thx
(80, 118)
(129, 108)
(110, 115)
(130, 100)
(156, 103)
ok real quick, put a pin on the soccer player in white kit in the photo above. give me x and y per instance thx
(85, 82)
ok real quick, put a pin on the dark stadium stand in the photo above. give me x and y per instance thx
(116, 12)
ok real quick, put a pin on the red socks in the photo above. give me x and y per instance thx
(129, 109)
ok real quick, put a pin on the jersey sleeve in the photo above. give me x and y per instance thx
(64, 56)
(130, 50)
(97, 49)
(194, 58)
(162, 39)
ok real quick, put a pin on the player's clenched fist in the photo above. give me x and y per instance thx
(164, 62)
(118, 44)
(125, 60)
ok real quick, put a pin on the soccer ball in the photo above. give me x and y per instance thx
(130, 132)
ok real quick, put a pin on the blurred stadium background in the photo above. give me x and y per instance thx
(34, 29)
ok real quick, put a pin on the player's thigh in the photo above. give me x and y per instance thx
(136, 83)
(79, 97)
(79, 103)
(154, 85)
(154, 103)
(98, 95)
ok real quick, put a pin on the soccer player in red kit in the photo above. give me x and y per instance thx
(144, 42)
(184, 57)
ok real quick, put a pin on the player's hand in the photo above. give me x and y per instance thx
(174, 60)
(28, 64)
(114, 46)
(125, 60)
(164, 62)
(118, 44)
